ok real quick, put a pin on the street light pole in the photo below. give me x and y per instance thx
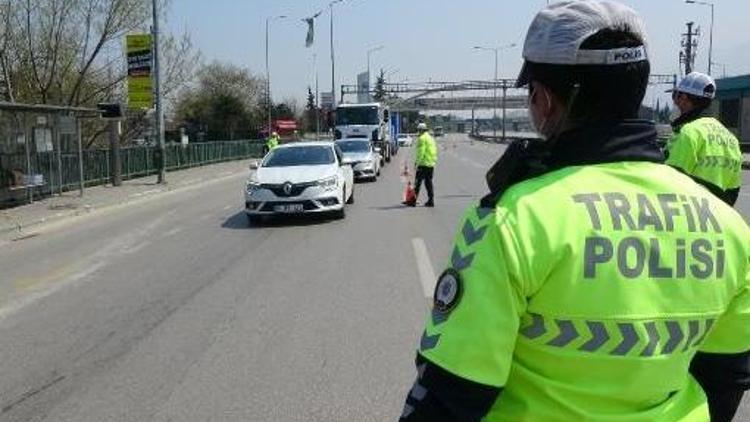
(711, 41)
(369, 52)
(496, 51)
(333, 56)
(159, 115)
(268, 74)
(317, 107)
(711, 34)
(494, 101)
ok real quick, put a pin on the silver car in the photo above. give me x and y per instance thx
(362, 156)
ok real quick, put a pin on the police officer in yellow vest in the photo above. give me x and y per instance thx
(272, 142)
(425, 162)
(701, 146)
(593, 282)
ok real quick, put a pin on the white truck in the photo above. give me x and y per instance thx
(366, 121)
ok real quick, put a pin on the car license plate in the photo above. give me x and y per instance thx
(289, 208)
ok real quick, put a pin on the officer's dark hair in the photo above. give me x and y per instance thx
(700, 104)
(602, 92)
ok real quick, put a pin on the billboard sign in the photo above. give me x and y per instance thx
(363, 88)
(139, 55)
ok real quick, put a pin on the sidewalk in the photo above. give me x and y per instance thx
(17, 222)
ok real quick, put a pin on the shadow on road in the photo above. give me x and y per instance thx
(239, 221)
(391, 208)
(466, 195)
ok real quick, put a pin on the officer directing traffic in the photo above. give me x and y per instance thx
(272, 142)
(593, 282)
(425, 162)
(701, 146)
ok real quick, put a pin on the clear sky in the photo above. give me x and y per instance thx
(426, 39)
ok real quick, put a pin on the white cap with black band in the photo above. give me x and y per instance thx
(558, 31)
(697, 84)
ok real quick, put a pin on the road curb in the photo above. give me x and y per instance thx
(21, 229)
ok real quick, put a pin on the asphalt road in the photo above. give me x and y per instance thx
(176, 310)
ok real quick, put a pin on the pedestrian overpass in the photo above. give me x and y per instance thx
(465, 95)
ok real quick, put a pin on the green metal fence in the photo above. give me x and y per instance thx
(60, 171)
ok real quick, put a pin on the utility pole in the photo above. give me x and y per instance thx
(159, 116)
(711, 33)
(690, 45)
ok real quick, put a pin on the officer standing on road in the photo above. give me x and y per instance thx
(425, 162)
(272, 142)
(593, 282)
(701, 146)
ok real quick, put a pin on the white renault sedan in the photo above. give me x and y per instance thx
(298, 178)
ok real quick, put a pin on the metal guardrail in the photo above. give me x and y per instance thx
(60, 171)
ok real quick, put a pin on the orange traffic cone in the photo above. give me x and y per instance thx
(410, 195)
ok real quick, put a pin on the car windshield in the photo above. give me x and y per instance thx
(354, 146)
(357, 116)
(300, 156)
(403, 136)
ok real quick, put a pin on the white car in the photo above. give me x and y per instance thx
(298, 178)
(404, 140)
(361, 155)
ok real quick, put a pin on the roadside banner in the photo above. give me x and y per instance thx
(140, 87)
(363, 88)
(326, 100)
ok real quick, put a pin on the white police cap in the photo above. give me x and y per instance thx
(557, 32)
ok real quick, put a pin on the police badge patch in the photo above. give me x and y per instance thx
(448, 291)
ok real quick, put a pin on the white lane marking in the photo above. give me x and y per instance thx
(126, 244)
(227, 207)
(424, 266)
(37, 295)
(173, 232)
(137, 247)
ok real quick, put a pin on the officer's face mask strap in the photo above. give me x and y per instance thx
(540, 128)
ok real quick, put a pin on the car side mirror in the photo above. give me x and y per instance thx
(254, 165)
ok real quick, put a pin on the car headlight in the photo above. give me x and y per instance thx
(252, 186)
(329, 183)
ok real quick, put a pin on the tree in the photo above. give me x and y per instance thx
(70, 52)
(380, 93)
(311, 111)
(224, 103)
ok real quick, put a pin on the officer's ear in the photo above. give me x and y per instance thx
(543, 100)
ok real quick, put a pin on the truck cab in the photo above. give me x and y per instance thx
(366, 121)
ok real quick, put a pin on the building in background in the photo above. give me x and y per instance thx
(733, 106)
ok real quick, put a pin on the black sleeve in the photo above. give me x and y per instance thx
(724, 378)
(731, 196)
(438, 395)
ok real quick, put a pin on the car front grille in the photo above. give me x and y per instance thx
(278, 189)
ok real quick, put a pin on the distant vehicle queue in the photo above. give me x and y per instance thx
(318, 176)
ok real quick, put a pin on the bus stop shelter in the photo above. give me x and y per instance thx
(41, 151)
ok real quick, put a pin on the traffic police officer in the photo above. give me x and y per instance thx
(425, 162)
(593, 282)
(272, 142)
(701, 146)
